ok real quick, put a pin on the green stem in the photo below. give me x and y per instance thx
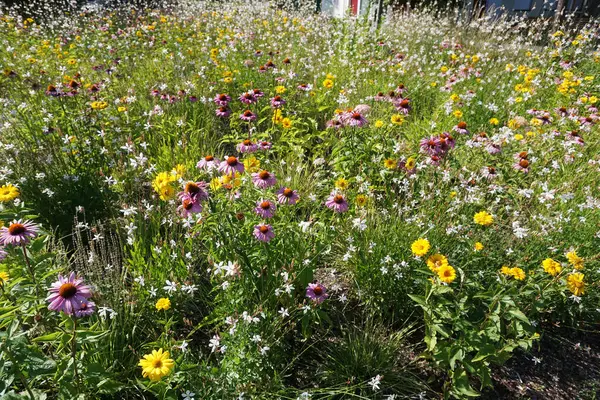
(31, 270)
(74, 351)
(21, 376)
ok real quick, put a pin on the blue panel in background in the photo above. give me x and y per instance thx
(522, 5)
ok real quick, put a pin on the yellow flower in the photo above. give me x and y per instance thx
(215, 184)
(328, 83)
(517, 273)
(494, 121)
(342, 184)
(410, 163)
(162, 179)
(286, 123)
(280, 89)
(575, 260)
(99, 105)
(277, 117)
(483, 218)
(397, 119)
(436, 261)
(122, 109)
(166, 192)
(457, 114)
(552, 267)
(378, 123)
(228, 79)
(478, 246)
(361, 200)
(389, 163)
(233, 182)
(163, 304)
(156, 365)
(3, 278)
(453, 194)
(505, 270)
(420, 247)
(576, 284)
(72, 61)
(518, 136)
(252, 164)
(446, 273)
(177, 172)
(8, 193)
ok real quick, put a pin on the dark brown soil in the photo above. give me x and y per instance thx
(564, 364)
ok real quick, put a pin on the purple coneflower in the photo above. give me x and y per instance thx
(431, 145)
(363, 109)
(18, 232)
(189, 205)
(461, 128)
(258, 93)
(247, 146)
(67, 294)
(575, 137)
(380, 96)
(86, 308)
(248, 116)
(305, 87)
(248, 98)
(277, 101)
(334, 123)
(337, 203)
(263, 179)
(489, 172)
(403, 106)
(222, 99)
(522, 165)
(434, 160)
(231, 165)
(286, 195)
(208, 163)
(223, 112)
(195, 190)
(447, 141)
(265, 208)
(493, 148)
(316, 292)
(264, 145)
(356, 119)
(263, 232)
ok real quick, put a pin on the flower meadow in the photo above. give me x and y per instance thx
(251, 201)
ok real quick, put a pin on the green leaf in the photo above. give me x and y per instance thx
(47, 338)
(519, 315)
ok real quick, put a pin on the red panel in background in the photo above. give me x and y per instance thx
(354, 5)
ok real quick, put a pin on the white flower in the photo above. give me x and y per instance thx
(214, 343)
(187, 395)
(284, 312)
(104, 311)
(183, 346)
(375, 381)
(189, 289)
(170, 287)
